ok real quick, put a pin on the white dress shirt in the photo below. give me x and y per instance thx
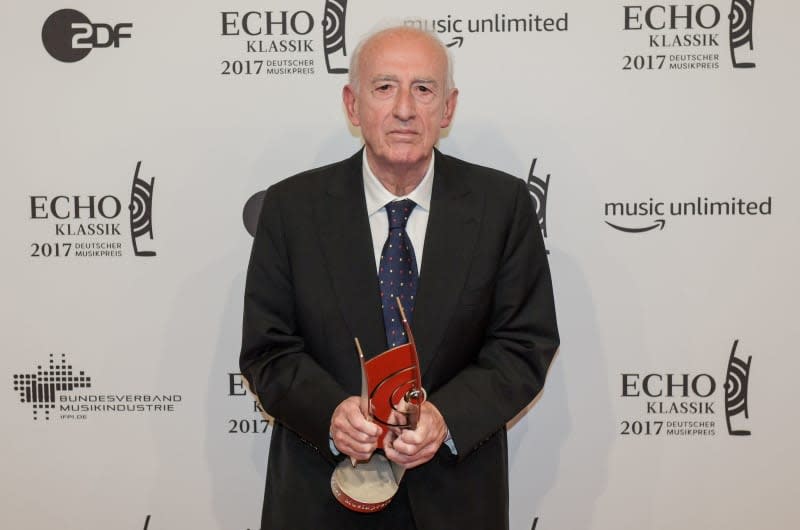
(378, 196)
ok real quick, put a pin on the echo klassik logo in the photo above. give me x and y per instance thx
(334, 37)
(454, 28)
(141, 211)
(256, 421)
(687, 404)
(90, 226)
(538, 188)
(641, 216)
(62, 390)
(68, 35)
(737, 379)
(741, 32)
(689, 36)
(286, 42)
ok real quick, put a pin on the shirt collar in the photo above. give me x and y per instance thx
(378, 196)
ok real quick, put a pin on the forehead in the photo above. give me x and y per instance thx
(403, 55)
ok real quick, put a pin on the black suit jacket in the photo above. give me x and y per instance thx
(484, 324)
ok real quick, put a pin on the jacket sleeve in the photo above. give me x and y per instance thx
(291, 386)
(510, 367)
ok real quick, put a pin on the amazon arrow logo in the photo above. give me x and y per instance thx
(637, 230)
(457, 42)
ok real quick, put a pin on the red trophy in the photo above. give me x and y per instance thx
(391, 396)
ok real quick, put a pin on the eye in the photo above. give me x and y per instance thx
(383, 90)
(424, 92)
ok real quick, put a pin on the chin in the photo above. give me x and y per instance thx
(408, 156)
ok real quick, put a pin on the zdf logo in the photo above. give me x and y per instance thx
(68, 35)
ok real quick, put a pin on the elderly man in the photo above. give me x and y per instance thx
(475, 282)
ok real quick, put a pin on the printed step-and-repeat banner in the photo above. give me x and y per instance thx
(659, 143)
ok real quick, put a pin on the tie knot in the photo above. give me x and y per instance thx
(398, 212)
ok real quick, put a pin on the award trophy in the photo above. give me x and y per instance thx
(391, 396)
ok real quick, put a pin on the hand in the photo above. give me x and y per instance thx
(352, 434)
(414, 448)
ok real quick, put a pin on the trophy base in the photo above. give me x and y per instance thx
(368, 486)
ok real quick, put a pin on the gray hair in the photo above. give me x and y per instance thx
(355, 56)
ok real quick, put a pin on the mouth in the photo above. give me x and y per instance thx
(403, 133)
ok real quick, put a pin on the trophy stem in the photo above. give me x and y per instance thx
(364, 399)
(364, 403)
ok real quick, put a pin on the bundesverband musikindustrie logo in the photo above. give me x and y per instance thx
(57, 390)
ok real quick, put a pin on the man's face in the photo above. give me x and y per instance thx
(401, 104)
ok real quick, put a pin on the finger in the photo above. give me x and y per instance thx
(389, 437)
(409, 461)
(352, 448)
(416, 438)
(359, 456)
(402, 447)
(347, 418)
(360, 424)
(354, 445)
(357, 435)
(353, 442)
(356, 457)
(349, 436)
(395, 456)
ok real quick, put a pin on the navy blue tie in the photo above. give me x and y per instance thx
(397, 272)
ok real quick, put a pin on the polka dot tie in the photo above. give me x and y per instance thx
(397, 272)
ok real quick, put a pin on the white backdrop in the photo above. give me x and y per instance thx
(162, 434)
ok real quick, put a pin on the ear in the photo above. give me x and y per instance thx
(449, 108)
(349, 99)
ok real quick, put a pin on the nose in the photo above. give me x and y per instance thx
(404, 105)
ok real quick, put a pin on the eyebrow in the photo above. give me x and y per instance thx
(393, 78)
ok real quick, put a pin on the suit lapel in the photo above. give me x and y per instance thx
(449, 245)
(450, 238)
(341, 217)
